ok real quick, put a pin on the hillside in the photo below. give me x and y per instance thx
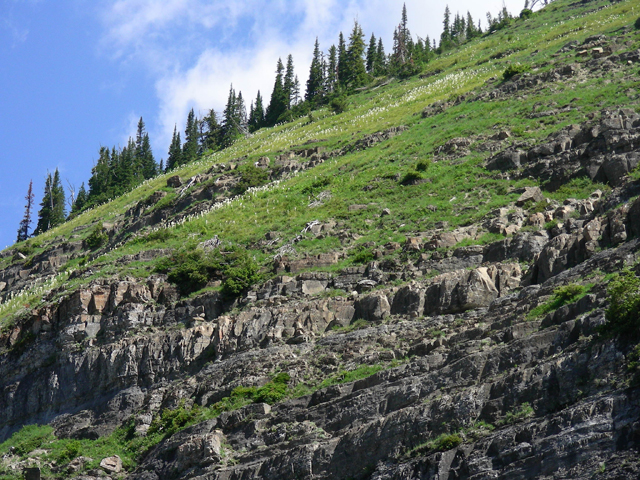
(439, 282)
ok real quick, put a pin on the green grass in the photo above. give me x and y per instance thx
(561, 296)
(519, 414)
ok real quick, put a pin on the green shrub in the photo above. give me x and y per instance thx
(551, 225)
(250, 176)
(97, 238)
(423, 165)
(191, 270)
(411, 178)
(526, 13)
(444, 442)
(561, 296)
(72, 449)
(362, 255)
(28, 439)
(408, 69)
(623, 314)
(515, 69)
(517, 415)
(239, 274)
(339, 104)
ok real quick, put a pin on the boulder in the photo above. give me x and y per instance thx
(633, 221)
(372, 308)
(531, 194)
(174, 182)
(459, 291)
(409, 300)
(111, 464)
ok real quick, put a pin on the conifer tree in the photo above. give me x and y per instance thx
(81, 200)
(278, 104)
(25, 224)
(295, 92)
(331, 77)
(52, 212)
(372, 54)
(191, 134)
(380, 67)
(241, 114)
(316, 80)
(256, 118)
(445, 36)
(209, 132)
(356, 73)
(289, 80)
(144, 161)
(174, 159)
(342, 60)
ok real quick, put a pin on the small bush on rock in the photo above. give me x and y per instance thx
(515, 69)
(97, 238)
(623, 314)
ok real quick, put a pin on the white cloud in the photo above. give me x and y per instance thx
(196, 48)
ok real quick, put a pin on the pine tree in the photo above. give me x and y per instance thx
(316, 80)
(288, 83)
(380, 67)
(278, 104)
(445, 37)
(25, 224)
(100, 175)
(241, 114)
(52, 211)
(191, 134)
(356, 73)
(81, 200)
(256, 118)
(144, 161)
(209, 132)
(295, 92)
(174, 158)
(471, 31)
(342, 60)
(331, 77)
(371, 54)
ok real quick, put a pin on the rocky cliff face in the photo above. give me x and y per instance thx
(443, 357)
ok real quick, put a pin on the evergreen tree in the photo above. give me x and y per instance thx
(81, 200)
(445, 36)
(191, 134)
(331, 77)
(295, 92)
(380, 67)
(100, 173)
(52, 212)
(25, 224)
(241, 114)
(316, 80)
(174, 158)
(144, 161)
(209, 132)
(342, 60)
(471, 31)
(371, 54)
(356, 73)
(256, 118)
(234, 118)
(289, 80)
(278, 104)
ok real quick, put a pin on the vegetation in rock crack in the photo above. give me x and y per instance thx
(561, 296)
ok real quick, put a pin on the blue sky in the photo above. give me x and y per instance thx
(78, 74)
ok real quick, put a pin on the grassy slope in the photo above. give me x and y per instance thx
(462, 192)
